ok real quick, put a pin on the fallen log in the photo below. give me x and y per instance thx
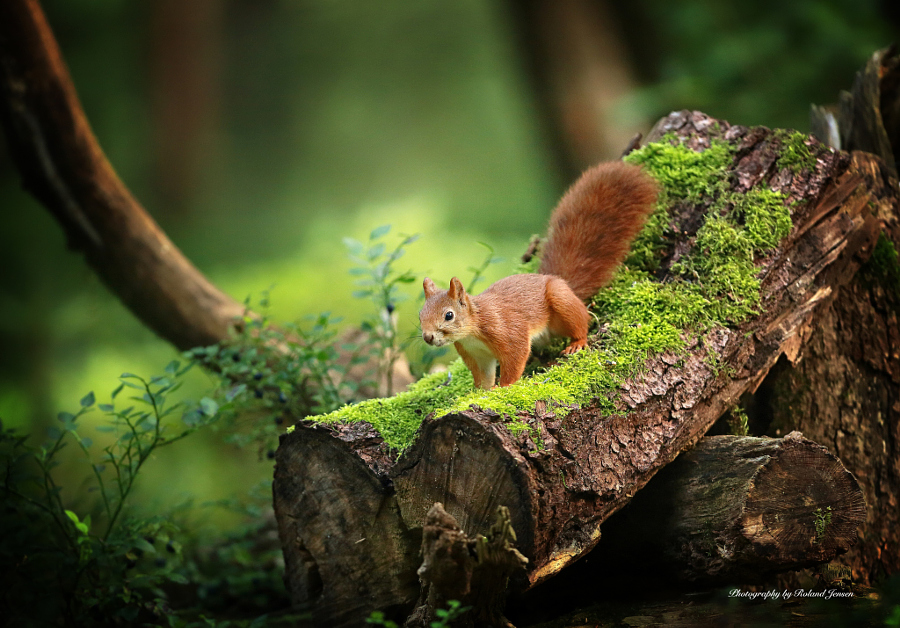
(711, 299)
(736, 509)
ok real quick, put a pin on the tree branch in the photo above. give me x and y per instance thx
(63, 166)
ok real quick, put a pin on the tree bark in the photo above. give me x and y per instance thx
(591, 464)
(473, 572)
(737, 509)
(65, 169)
(843, 388)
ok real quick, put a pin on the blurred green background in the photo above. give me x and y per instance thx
(258, 133)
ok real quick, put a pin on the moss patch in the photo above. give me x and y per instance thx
(793, 153)
(883, 267)
(397, 418)
(714, 284)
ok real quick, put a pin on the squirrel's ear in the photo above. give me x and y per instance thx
(456, 290)
(429, 287)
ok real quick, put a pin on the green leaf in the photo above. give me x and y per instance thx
(377, 232)
(78, 524)
(127, 375)
(65, 417)
(362, 294)
(106, 428)
(355, 247)
(234, 392)
(177, 578)
(117, 390)
(106, 407)
(172, 367)
(209, 407)
(142, 544)
(86, 442)
(88, 400)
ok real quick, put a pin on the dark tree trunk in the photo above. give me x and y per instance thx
(586, 468)
(843, 388)
(579, 71)
(737, 509)
(185, 73)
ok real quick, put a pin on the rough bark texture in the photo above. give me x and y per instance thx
(845, 392)
(63, 166)
(843, 388)
(737, 509)
(590, 464)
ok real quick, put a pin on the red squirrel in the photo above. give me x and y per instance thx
(589, 235)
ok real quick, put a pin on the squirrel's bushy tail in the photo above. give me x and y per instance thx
(592, 227)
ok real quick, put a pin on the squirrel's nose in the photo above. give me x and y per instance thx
(428, 336)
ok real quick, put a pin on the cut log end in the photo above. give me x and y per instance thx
(737, 509)
(457, 444)
(339, 523)
(803, 502)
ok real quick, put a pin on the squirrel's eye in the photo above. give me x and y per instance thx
(449, 315)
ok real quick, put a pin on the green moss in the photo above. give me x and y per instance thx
(646, 317)
(712, 285)
(684, 174)
(883, 267)
(767, 221)
(397, 418)
(793, 153)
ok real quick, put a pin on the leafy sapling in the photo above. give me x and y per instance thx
(88, 563)
(379, 282)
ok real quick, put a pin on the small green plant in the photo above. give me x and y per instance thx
(823, 520)
(739, 422)
(379, 282)
(478, 271)
(445, 616)
(893, 619)
(269, 373)
(104, 567)
(377, 618)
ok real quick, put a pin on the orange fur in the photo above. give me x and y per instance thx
(590, 232)
(594, 224)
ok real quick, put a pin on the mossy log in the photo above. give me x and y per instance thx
(562, 465)
(737, 509)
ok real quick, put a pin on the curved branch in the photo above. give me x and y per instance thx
(63, 166)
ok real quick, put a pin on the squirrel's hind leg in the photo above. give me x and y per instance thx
(568, 315)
